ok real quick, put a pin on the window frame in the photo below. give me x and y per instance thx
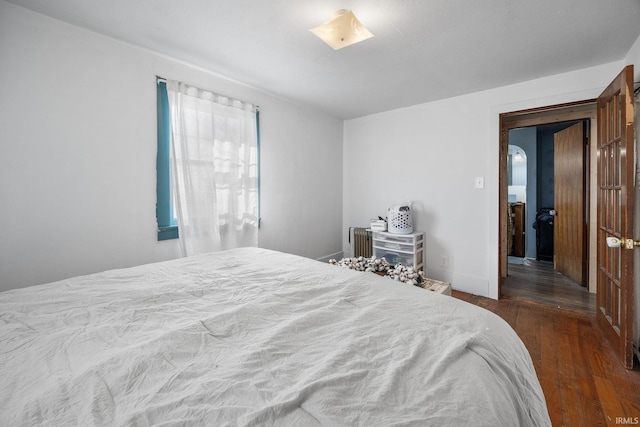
(167, 227)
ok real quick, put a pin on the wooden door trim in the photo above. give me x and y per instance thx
(551, 114)
(567, 112)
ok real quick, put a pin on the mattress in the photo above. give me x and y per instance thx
(257, 337)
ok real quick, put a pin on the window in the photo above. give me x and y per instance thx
(207, 168)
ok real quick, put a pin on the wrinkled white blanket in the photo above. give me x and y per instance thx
(256, 337)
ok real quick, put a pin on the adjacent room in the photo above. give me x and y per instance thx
(181, 182)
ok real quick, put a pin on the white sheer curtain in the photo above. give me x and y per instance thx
(214, 169)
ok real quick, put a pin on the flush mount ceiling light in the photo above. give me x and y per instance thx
(343, 30)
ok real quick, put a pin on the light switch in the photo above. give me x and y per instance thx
(479, 182)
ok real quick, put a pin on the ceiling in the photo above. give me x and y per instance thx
(423, 50)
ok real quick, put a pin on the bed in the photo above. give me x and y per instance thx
(257, 337)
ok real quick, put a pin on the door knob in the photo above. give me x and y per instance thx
(614, 242)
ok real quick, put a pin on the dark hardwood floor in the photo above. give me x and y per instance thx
(583, 381)
(538, 281)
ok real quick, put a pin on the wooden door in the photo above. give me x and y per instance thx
(616, 166)
(570, 227)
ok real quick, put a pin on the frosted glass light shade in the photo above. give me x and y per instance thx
(342, 31)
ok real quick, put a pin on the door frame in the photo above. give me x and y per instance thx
(574, 111)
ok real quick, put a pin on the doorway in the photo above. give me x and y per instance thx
(519, 189)
(531, 276)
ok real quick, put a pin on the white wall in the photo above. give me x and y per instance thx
(78, 148)
(430, 154)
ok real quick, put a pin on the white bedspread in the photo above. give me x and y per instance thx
(256, 337)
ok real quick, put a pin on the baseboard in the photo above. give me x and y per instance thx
(337, 255)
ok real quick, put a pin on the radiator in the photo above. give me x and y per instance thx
(361, 243)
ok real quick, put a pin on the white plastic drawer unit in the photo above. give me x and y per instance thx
(394, 257)
(407, 249)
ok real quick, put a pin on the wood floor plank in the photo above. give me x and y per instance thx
(583, 373)
(528, 323)
(549, 373)
(572, 406)
(610, 404)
